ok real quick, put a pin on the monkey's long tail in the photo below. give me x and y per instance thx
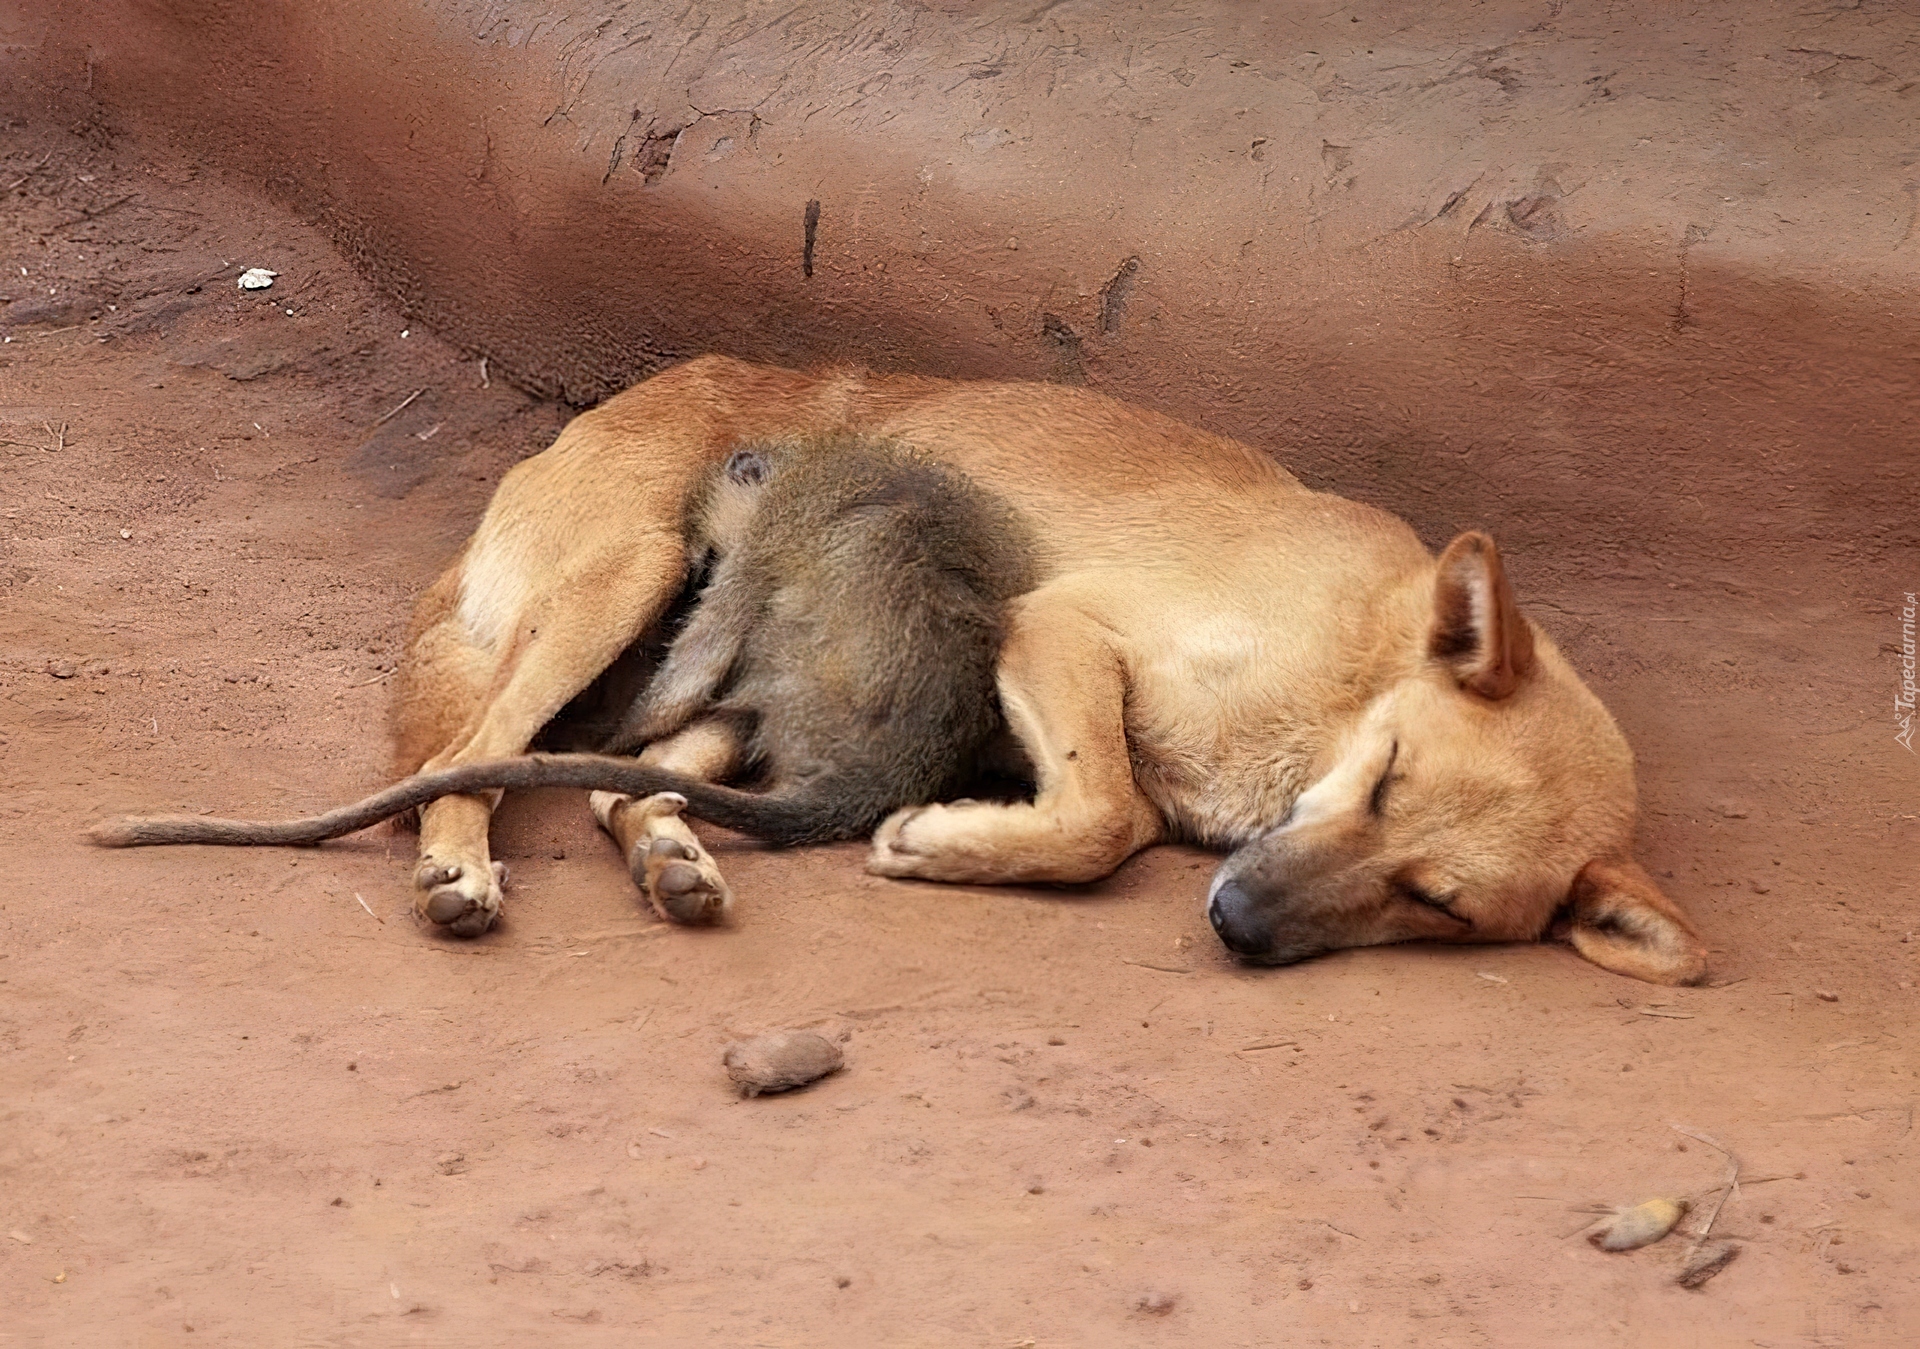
(804, 815)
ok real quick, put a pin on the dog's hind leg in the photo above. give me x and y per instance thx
(677, 875)
(1063, 690)
(574, 632)
(438, 690)
(581, 550)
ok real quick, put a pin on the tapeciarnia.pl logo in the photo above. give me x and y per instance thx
(1903, 696)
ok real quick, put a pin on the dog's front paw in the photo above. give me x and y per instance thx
(463, 900)
(893, 853)
(935, 843)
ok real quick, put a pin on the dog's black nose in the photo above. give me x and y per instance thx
(1241, 926)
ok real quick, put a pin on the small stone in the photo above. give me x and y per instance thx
(843, 1282)
(1055, 1040)
(126, 533)
(61, 669)
(451, 1163)
(1825, 996)
(1706, 1262)
(1155, 1303)
(780, 1061)
(1642, 1225)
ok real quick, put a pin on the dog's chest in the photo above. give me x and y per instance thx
(1221, 729)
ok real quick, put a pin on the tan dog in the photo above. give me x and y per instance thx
(1213, 653)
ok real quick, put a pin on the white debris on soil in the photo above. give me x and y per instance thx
(1628, 1229)
(256, 278)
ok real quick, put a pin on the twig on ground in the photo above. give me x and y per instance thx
(1149, 965)
(30, 172)
(403, 403)
(370, 913)
(96, 212)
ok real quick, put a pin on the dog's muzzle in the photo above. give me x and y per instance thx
(1238, 921)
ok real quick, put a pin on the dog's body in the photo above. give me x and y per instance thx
(1210, 651)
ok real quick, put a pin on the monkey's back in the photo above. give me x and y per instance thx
(886, 579)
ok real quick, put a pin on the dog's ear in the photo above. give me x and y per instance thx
(1617, 918)
(1478, 631)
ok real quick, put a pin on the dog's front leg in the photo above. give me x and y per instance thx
(1063, 689)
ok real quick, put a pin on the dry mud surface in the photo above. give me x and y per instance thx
(245, 1100)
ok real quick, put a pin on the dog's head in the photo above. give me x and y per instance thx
(1481, 794)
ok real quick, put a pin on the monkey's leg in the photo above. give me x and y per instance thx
(1063, 688)
(677, 875)
(696, 663)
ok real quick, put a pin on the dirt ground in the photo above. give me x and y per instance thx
(245, 1100)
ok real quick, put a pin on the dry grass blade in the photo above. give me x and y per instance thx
(1727, 1187)
(1149, 965)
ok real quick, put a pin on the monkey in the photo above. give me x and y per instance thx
(847, 635)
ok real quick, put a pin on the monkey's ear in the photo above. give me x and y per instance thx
(1478, 631)
(1617, 918)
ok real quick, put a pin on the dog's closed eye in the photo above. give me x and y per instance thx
(1377, 799)
(1427, 899)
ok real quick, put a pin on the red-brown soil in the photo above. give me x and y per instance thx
(245, 1100)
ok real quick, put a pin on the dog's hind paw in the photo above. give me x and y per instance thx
(677, 875)
(683, 883)
(452, 897)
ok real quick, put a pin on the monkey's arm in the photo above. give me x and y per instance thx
(697, 663)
